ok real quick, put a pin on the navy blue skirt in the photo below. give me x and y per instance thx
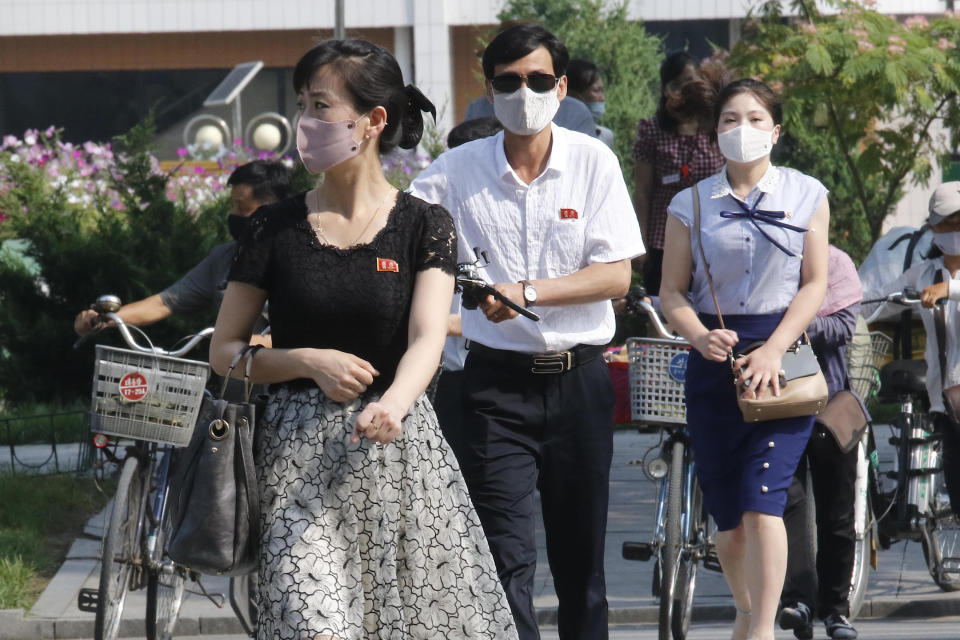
(741, 466)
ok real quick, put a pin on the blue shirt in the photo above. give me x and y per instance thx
(750, 273)
(572, 114)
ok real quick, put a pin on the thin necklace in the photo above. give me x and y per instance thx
(319, 228)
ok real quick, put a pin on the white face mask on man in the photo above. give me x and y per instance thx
(948, 242)
(745, 143)
(525, 112)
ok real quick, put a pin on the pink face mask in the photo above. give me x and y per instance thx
(323, 144)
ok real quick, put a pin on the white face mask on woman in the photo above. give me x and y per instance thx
(525, 112)
(745, 143)
(948, 242)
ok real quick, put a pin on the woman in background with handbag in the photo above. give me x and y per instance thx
(367, 527)
(756, 270)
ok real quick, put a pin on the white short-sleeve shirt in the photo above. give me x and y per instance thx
(751, 274)
(576, 213)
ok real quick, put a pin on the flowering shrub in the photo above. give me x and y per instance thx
(861, 92)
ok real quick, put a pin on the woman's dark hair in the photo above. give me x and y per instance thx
(373, 79)
(269, 181)
(671, 68)
(764, 95)
(581, 75)
(517, 41)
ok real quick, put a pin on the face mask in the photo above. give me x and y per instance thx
(745, 143)
(237, 225)
(948, 242)
(525, 112)
(597, 109)
(323, 144)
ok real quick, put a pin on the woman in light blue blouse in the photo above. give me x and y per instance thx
(764, 234)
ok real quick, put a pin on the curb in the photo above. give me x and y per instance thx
(15, 626)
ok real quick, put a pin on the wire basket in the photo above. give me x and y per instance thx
(146, 396)
(658, 368)
(865, 355)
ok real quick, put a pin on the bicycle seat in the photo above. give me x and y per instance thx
(903, 378)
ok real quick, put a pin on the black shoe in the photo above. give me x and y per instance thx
(839, 628)
(798, 618)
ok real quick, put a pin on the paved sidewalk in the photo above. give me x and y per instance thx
(901, 586)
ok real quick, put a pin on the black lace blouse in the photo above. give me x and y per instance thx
(355, 300)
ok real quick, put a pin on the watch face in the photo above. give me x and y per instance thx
(529, 293)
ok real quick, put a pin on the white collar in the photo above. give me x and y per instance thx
(556, 162)
(768, 183)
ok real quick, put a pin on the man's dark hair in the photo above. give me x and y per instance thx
(269, 181)
(517, 41)
(373, 78)
(471, 130)
(581, 75)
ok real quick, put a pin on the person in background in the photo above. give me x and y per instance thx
(448, 402)
(770, 278)
(552, 211)
(585, 83)
(674, 150)
(938, 278)
(252, 185)
(821, 585)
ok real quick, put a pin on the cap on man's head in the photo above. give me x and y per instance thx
(944, 202)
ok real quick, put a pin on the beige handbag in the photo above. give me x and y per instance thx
(803, 389)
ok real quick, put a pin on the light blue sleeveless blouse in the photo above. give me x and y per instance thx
(751, 274)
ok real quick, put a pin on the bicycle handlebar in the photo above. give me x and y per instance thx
(906, 298)
(636, 302)
(106, 308)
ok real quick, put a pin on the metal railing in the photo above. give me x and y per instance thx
(46, 443)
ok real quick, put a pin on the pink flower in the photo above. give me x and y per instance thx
(943, 44)
(895, 49)
(864, 45)
(777, 86)
(869, 3)
(77, 153)
(198, 169)
(861, 34)
(9, 141)
(51, 130)
(182, 152)
(916, 22)
(238, 142)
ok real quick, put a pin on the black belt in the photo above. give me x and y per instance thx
(558, 362)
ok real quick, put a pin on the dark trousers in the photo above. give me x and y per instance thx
(449, 406)
(950, 457)
(822, 583)
(522, 431)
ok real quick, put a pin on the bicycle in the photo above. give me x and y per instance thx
(683, 533)
(916, 506)
(150, 396)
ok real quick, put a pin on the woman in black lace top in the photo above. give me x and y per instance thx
(367, 530)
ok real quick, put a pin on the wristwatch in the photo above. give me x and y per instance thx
(529, 293)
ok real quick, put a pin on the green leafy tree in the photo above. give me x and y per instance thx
(862, 93)
(125, 238)
(629, 58)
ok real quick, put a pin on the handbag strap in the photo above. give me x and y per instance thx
(249, 476)
(249, 351)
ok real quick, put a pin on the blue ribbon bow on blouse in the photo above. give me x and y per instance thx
(756, 216)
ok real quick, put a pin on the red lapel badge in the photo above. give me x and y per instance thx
(569, 214)
(386, 264)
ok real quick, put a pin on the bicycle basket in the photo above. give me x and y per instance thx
(865, 354)
(658, 368)
(146, 396)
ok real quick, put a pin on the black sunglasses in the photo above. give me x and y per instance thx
(510, 82)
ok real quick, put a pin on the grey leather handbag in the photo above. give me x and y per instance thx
(214, 502)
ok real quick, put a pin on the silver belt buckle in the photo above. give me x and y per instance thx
(557, 363)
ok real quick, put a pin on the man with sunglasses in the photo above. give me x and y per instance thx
(550, 209)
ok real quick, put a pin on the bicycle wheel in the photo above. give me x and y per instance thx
(687, 571)
(941, 542)
(861, 564)
(670, 552)
(119, 551)
(165, 588)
